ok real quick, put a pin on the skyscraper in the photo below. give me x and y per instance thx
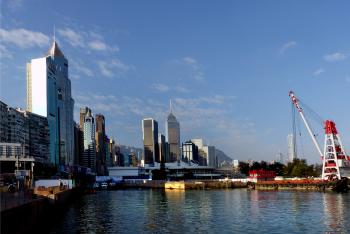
(100, 143)
(150, 141)
(49, 95)
(89, 156)
(291, 147)
(173, 136)
(163, 148)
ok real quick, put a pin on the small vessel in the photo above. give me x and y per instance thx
(104, 185)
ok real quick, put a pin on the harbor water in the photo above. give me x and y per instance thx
(207, 211)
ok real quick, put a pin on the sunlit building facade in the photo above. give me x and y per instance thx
(150, 140)
(172, 128)
(49, 95)
(89, 155)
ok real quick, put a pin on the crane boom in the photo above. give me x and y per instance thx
(295, 101)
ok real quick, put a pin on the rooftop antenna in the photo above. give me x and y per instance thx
(54, 33)
(171, 107)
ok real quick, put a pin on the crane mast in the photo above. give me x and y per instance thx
(295, 101)
(334, 157)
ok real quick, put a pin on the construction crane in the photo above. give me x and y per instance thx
(336, 163)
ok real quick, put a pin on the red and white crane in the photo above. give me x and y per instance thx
(336, 163)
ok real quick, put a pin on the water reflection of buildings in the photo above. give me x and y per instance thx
(259, 200)
(334, 217)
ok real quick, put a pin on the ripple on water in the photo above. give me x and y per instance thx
(213, 211)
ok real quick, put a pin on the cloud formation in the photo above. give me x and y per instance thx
(165, 88)
(160, 87)
(72, 37)
(113, 68)
(24, 38)
(318, 72)
(196, 67)
(288, 45)
(80, 67)
(4, 53)
(90, 40)
(334, 57)
(14, 5)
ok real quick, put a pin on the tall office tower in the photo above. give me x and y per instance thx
(190, 152)
(3, 122)
(78, 144)
(163, 145)
(89, 157)
(110, 153)
(49, 95)
(100, 144)
(210, 156)
(172, 128)
(83, 111)
(291, 147)
(150, 141)
(279, 157)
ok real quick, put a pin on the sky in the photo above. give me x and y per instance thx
(227, 66)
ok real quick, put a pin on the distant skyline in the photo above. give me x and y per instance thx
(227, 66)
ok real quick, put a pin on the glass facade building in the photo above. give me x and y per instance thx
(89, 156)
(150, 141)
(173, 137)
(49, 95)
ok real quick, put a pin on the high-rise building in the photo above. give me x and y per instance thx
(3, 122)
(150, 141)
(190, 152)
(291, 147)
(206, 154)
(210, 156)
(49, 95)
(163, 149)
(172, 128)
(26, 130)
(100, 144)
(38, 130)
(110, 152)
(89, 157)
(83, 111)
(78, 144)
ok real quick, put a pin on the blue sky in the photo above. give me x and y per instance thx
(228, 66)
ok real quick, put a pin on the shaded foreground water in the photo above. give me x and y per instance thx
(209, 211)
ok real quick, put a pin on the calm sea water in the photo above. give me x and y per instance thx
(209, 211)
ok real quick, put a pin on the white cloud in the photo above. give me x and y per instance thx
(101, 46)
(80, 67)
(4, 53)
(14, 5)
(97, 45)
(189, 60)
(113, 68)
(318, 72)
(287, 45)
(181, 89)
(160, 87)
(72, 37)
(334, 57)
(196, 68)
(89, 40)
(24, 38)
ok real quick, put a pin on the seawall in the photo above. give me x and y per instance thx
(190, 184)
(38, 215)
